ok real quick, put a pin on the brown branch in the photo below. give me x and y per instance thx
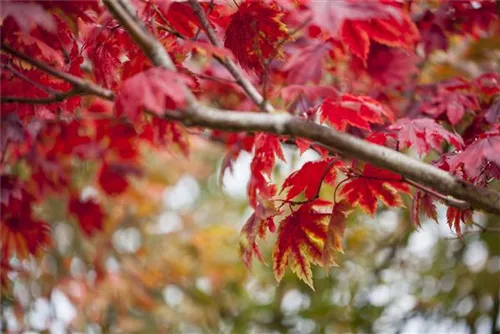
(56, 97)
(230, 65)
(285, 124)
(79, 84)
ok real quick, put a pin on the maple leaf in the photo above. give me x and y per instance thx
(313, 55)
(373, 183)
(23, 235)
(112, 177)
(182, 19)
(154, 90)
(335, 231)
(456, 216)
(331, 14)
(357, 111)
(424, 134)
(267, 147)
(256, 226)
(451, 102)
(253, 34)
(473, 160)
(27, 15)
(310, 177)
(357, 34)
(301, 240)
(422, 201)
(89, 214)
(387, 65)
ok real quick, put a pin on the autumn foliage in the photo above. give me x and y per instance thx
(363, 68)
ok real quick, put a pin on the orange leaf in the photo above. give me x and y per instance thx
(301, 240)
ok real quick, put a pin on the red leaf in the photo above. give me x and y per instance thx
(356, 39)
(475, 157)
(301, 240)
(422, 201)
(372, 184)
(456, 216)
(27, 15)
(453, 103)
(89, 214)
(256, 226)
(154, 90)
(390, 66)
(22, 236)
(331, 14)
(335, 231)
(310, 177)
(357, 111)
(267, 147)
(424, 134)
(307, 64)
(112, 178)
(253, 34)
(183, 20)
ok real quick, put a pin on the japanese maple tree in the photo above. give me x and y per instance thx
(96, 81)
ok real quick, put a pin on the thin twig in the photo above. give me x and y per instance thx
(78, 83)
(56, 97)
(230, 65)
(450, 201)
(46, 89)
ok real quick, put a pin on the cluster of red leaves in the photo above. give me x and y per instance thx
(254, 34)
(347, 64)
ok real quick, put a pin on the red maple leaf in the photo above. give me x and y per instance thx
(307, 63)
(456, 217)
(452, 102)
(89, 214)
(23, 235)
(256, 226)
(310, 177)
(112, 177)
(331, 14)
(474, 159)
(373, 183)
(301, 240)
(422, 202)
(335, 231)
(253, 34)
(154, 90)
(27, 15)
(182, 19)
(424, 134)
(387, 65)
(395, 32)
(267, 147)
(357, 111)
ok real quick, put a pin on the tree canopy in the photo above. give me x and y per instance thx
(349, 112)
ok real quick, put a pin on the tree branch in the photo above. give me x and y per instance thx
(230, 65)
(285, 124)
(79, 84)
(56, 97)
(281, 124)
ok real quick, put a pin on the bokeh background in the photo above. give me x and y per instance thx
(167, 262)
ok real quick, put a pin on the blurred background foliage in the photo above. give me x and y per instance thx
(167, 261)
